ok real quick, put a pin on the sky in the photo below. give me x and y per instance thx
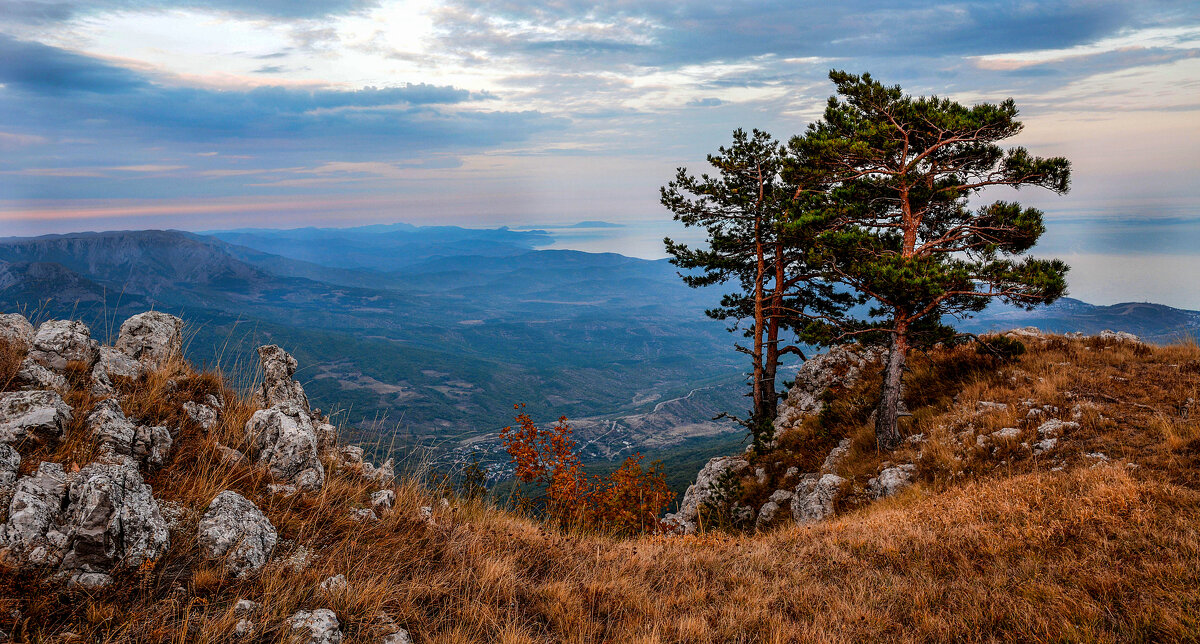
(209, 114)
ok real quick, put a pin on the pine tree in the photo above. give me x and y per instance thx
(899, 173)
(759, 234)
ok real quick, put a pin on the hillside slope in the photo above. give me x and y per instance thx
(1092, 539)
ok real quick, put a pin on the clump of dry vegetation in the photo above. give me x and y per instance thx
(992, 544)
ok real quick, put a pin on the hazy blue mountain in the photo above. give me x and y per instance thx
(429, 334)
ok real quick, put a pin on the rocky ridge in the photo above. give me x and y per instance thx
(86, 524)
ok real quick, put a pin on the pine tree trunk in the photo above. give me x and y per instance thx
(887, 431)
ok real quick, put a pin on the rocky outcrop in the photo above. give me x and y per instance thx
(118, 436)
(382, 474)
(117, 364)
(287, 443)
(37, 416)
(10, 463)
(316, 627)
(87, 522)
(17, 330)
(814, 496)
(278, 367)
(151, 338)
(840, 367)
(705, 490)
(768, 513)
(236, 531)
(1118, 336)
(32, 375)
(61, 341)
(890, 480)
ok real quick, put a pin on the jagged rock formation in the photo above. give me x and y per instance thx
(278, 367)
(38, 416)
(61, 341)
(151, 338)
(705, 490)
(15, 328)
(236, 531)
(287, 444)
(118, 436)
(840, 367)
(83, 523)
(10, 463)
(891, 480)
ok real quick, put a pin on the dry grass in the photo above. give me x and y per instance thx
(990, 546)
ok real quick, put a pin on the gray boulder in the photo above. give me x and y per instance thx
(112, 518)
(278, 367)
(235, 530)
(116, 364)
(890, 481)
(31, 535)
(61, 341)
(769, 511)
(90, 521)
(118, 436)
(151, 338)
(1118, 336)
(287, 445)
(32, 375)
(705, 490)
(814, 496)
(203, 415)
(316, 627)
(38, 416)
(10, 463)
(17, 330)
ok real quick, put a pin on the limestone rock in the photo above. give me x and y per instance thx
(316, 627)
(1055, 427)
(90, 521)
(151, 338)
(1119, 336)
(890, 481)
(10, 463)
(1044, 445)
(61, 341)
(834, 459)
(351, 456)
(326, 437)
(203, 415)
(382, 474)
(32, 375)
(119, 436)
(278, 367)
(363, 514)
(234, 529)
(112, 519)
(767, 513)
(814, 496)
(16, 329)
(230, 456)
(118, 365)
(39, 416)
(30, 536)
(704, 490)
(288, 445)
(841, 366)
(383, 500)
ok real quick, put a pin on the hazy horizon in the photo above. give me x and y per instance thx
(211, 115)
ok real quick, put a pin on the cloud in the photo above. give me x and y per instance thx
(705, 102)
(40, 12)
(54, 89)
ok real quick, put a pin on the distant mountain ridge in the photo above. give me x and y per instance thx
(435, 332)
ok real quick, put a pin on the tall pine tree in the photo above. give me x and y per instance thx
(900, 173)
(760, 231)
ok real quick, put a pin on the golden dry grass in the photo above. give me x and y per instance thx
(978, 551)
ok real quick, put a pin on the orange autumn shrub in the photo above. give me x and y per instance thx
(629, 501)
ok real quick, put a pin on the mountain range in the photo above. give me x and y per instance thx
(428, 335)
